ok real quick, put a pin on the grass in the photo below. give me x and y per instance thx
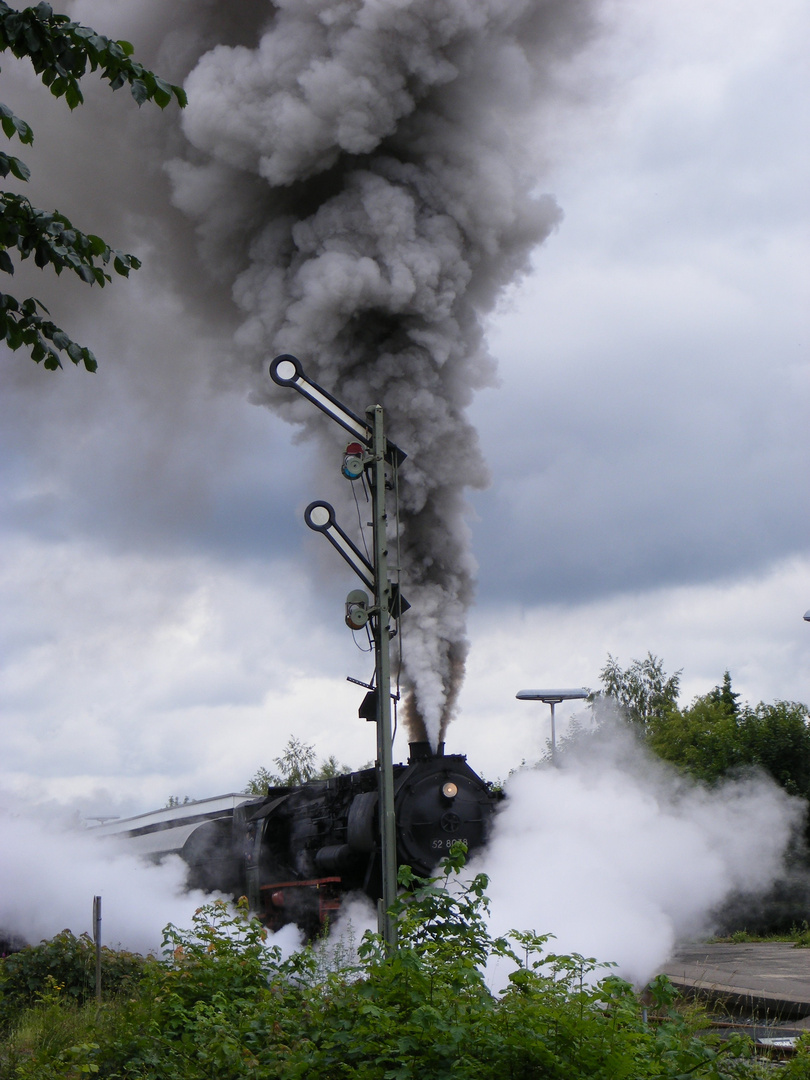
(57, 1038)
(799, 935)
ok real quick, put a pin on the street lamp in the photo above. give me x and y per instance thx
(807, 616)
(552, 698)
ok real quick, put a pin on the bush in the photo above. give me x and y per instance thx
(68, 962)
(222, 1004)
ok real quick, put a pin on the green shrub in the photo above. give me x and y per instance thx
(70, 963)
(224, 1005)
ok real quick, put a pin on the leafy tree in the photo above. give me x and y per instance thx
(296, 765)
(643, 691)
(71, 962)
(175, 800)
(261, 780)
(61, 53)
(776, 737)
(715, 736)
(331, 767)
(703, 740)
(725, 694)
(296, 762)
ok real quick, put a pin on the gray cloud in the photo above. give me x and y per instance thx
(650, 426)
(649, 430)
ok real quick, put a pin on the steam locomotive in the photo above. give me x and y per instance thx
(297, 852)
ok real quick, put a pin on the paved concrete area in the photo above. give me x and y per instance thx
(757, 977)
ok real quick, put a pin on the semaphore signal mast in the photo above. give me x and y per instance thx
(369, 453)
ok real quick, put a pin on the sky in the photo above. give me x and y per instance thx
(168, 621)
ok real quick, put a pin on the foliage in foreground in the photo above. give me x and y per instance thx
(63, 969)
(61, 52)
(223, 1004)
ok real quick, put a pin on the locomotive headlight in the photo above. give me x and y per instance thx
(450, 790)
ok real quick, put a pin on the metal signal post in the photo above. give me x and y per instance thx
(388, 604)
(382, 637)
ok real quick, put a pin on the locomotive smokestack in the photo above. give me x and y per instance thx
(423, 751)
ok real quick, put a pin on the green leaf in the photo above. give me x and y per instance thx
(32, 41)
(5, 262)
(162, 94)
(18, 168)
(139, 91)
(97, 245)
(24, 132)
(73, 95)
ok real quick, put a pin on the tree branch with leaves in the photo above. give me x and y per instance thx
(61, 53)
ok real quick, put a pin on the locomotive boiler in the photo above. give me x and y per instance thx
(297, 852)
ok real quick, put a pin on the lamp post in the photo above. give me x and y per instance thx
(552, 698)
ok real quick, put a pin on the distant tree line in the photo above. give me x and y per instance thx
(296, 764)
(715, 736)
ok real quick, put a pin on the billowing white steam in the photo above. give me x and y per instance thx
(612, 853)
(359, 178)
(619, 858)
(50, 872)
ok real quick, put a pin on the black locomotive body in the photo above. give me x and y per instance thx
(297, 852)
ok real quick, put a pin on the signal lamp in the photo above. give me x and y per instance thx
(357, 604)
(353, 464)
(450, 790)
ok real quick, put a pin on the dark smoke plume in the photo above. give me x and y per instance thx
(359, 177)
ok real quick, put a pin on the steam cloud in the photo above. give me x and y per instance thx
(612, 853)
(620, 858)
(358, 176)
(51, 872)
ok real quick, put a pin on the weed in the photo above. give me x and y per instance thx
(223, 1004)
